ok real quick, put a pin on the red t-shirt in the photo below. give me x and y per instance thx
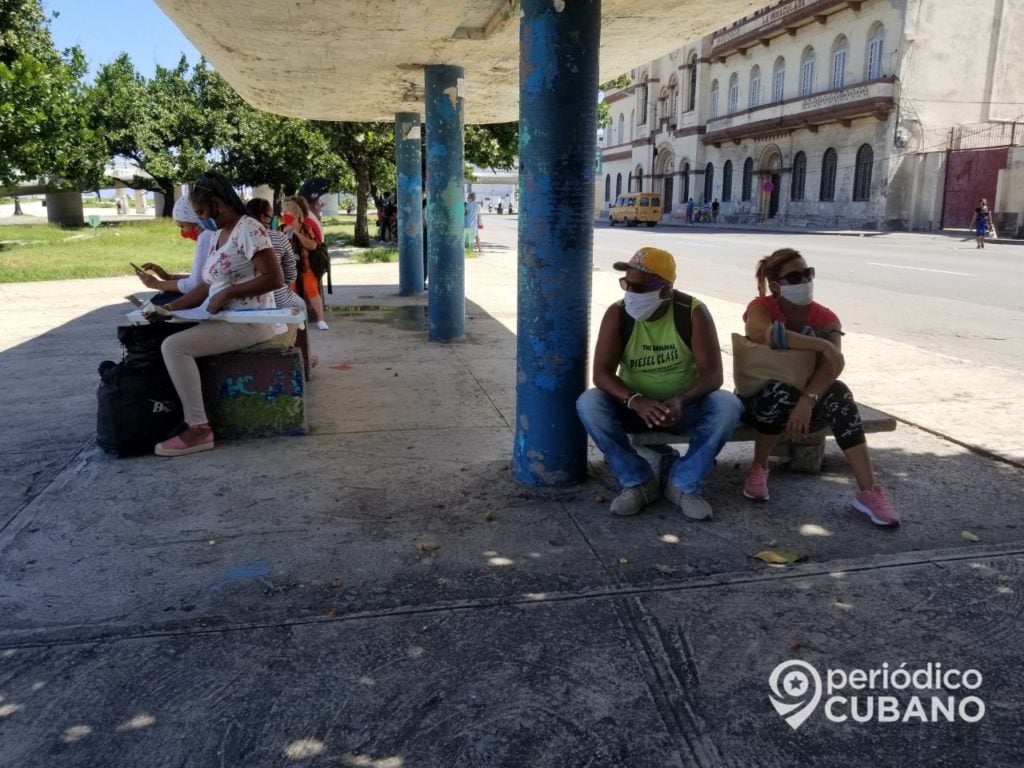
(315, 229)
(819, 317)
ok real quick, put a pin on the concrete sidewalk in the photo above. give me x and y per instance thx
(380, 593)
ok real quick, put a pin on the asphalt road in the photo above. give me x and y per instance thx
(936, 292)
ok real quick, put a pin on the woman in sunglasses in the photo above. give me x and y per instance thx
(785, 316)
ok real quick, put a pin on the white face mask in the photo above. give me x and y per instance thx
(800, 294)
(641, 306)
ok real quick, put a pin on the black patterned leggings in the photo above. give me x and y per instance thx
(768, 412)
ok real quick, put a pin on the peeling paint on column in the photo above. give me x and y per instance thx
(410, 203)
(559, 45)
(445, 208)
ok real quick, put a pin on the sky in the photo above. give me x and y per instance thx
(105, 28)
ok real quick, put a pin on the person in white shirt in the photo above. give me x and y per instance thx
(240, 271)
(174, 286)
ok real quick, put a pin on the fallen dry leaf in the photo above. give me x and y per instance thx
(427, 546)
(623, 561)
(777, 558)
(599, 499)
(969, 536)
(488, 516)
(334, 583)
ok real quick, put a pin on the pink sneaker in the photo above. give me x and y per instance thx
(875, 504)
(755, 484)
(176, 446)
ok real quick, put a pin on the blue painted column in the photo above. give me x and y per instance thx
(558, 72)
(446, 302)
(410, 203)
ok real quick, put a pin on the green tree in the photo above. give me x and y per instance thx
(169, 126)
(368, 149)
(45, 130)
(492, 146)
(262, 148)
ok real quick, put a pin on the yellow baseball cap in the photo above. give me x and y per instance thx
(654, 261)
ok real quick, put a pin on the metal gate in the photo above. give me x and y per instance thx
(971, 174)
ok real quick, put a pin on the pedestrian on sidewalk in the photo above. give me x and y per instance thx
(658, 365)
(981, 222)
(472, 222)
(786, 317)
(689, 211)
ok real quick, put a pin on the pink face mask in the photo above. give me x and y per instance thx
(189, 234)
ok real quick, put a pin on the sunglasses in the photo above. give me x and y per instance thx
(645, 287)
(797, 276)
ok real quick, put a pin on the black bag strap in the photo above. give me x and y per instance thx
(682, 307)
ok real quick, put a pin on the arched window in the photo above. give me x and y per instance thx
(691, 103)
(673, 87)
(643, 102)
(796, 191)
(862, 173)
(828, 176)
(755, 87)
(686, 181)
(709, 182)
(713, 109)
(607, 187)
(727, 181)
(748, 179)
(622, 127)
(779, 79)
(618, 185)
(807, 72)
(839, 50)
(876, 44)
(663, 103)
(734, 93)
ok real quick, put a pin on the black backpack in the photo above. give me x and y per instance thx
(682, 306)
(137, 405)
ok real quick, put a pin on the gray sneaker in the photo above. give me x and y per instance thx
(635, 498)
(690, 504)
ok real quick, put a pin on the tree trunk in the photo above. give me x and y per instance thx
(362, 235)
(167, 189)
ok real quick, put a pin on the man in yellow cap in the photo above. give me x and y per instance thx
(658, 365)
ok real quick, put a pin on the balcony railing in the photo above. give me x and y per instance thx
(876, 97)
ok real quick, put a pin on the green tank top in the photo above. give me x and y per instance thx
(655, 361)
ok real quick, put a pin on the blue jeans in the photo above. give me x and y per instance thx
(709, 422)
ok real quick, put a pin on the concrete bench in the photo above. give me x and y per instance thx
(255, 393)
(804, 456)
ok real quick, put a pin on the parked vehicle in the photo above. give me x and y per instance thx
(636, 207)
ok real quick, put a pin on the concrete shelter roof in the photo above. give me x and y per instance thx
(363, 61)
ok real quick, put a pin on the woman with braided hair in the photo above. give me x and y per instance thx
(785, 316)
(240, 271)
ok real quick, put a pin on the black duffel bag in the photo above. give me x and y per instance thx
(137, 405)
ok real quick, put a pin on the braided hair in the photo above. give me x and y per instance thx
(770, 268)
(215, 185)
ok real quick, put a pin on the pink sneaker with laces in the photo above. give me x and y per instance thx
(875, 504)
(755, 484)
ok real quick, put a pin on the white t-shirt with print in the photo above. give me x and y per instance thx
(232, 263)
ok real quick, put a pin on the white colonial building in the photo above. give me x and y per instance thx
(880, 114)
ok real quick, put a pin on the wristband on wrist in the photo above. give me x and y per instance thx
(810, 395)
(631, 397)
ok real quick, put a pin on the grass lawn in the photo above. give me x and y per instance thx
(31, 252)
(45, 252)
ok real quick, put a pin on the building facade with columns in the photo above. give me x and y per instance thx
(827, 113)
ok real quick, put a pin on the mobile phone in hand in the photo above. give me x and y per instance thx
(138, 270)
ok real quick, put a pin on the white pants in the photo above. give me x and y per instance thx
(210, 338)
